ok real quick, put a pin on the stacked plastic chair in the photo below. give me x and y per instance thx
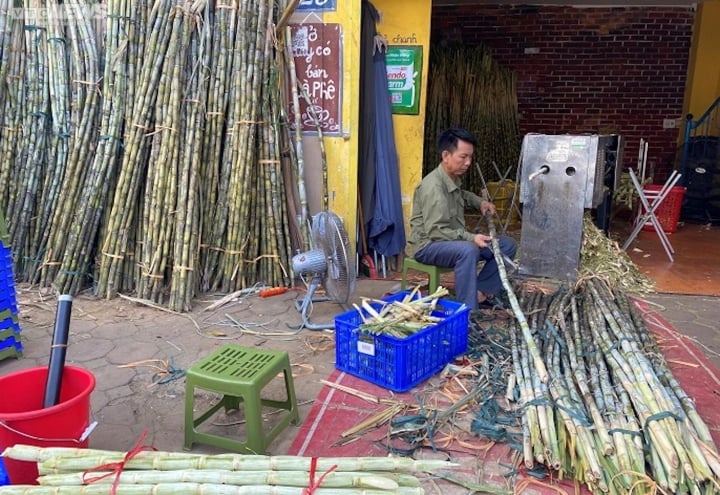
(10, 344)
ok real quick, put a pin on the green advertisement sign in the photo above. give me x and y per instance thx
(404, 68)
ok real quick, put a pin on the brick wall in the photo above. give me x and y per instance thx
(596, 70)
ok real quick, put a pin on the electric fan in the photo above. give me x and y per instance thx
(327, 264)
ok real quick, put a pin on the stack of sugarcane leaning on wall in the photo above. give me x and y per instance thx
(468, 88)
(144, 148)
(86, 471)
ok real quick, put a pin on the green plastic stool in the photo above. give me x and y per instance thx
(240, 374)
(432, 271)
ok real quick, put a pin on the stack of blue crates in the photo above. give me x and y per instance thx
(10, 344)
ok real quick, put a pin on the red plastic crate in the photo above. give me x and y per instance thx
(668, 213)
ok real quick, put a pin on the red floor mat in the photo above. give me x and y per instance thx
(336, 411)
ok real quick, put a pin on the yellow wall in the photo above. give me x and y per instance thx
(703, 83)
(404, 22)
(341, 151)
(407, 22)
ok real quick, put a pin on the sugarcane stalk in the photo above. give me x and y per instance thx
(299, 157)
(522, 321)
(132, 169)
(197, 488)
(260, 478)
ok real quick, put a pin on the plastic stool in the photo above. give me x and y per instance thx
(432, 271)
(240, 374)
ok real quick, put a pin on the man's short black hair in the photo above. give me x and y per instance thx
(448, 140)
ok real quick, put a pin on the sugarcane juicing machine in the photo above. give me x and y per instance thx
(561, 177)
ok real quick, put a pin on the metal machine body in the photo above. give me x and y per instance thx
(561, 176)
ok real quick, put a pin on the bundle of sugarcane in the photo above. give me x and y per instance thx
(622, 424)
(599, 405)
(468, 88)
(85, 471)
(400, 317)
(182, 187)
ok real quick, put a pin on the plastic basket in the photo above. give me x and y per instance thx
(12, 341)
(501, 194)
(668, 213)
(395, 363)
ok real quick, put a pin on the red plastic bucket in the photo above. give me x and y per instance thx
(23, 419)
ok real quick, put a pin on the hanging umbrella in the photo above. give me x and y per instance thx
(386, 231)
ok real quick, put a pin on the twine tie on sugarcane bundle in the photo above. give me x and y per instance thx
(116, 468)
(315, 484)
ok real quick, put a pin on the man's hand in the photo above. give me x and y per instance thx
(482, 240)
(487, 207)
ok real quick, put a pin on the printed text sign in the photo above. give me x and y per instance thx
(317, 52)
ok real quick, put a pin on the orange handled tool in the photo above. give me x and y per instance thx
(273, 291)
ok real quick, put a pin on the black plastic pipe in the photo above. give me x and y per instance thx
(58, 350)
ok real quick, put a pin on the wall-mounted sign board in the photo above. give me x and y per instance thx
(317, 53)
(404, 70)
(310, 5)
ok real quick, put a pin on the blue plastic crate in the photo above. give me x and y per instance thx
(8, 301)
(395, 363)
(4, 478)
(9, 326)
(11, 342)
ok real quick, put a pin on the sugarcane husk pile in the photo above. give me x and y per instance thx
(144, 147)
(602, 258)
(93, 472)
(403, 317)
(599, 403)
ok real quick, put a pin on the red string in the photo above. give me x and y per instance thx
(117, 467)
(314, 485)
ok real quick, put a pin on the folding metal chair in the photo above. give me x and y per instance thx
(649, 215)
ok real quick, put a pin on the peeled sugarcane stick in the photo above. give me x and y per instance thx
(532, 407)
(629, 455)
(71, 459)
(519, 315)
(197, 489)
(237, 478)
(580, 380)
(665, 375)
